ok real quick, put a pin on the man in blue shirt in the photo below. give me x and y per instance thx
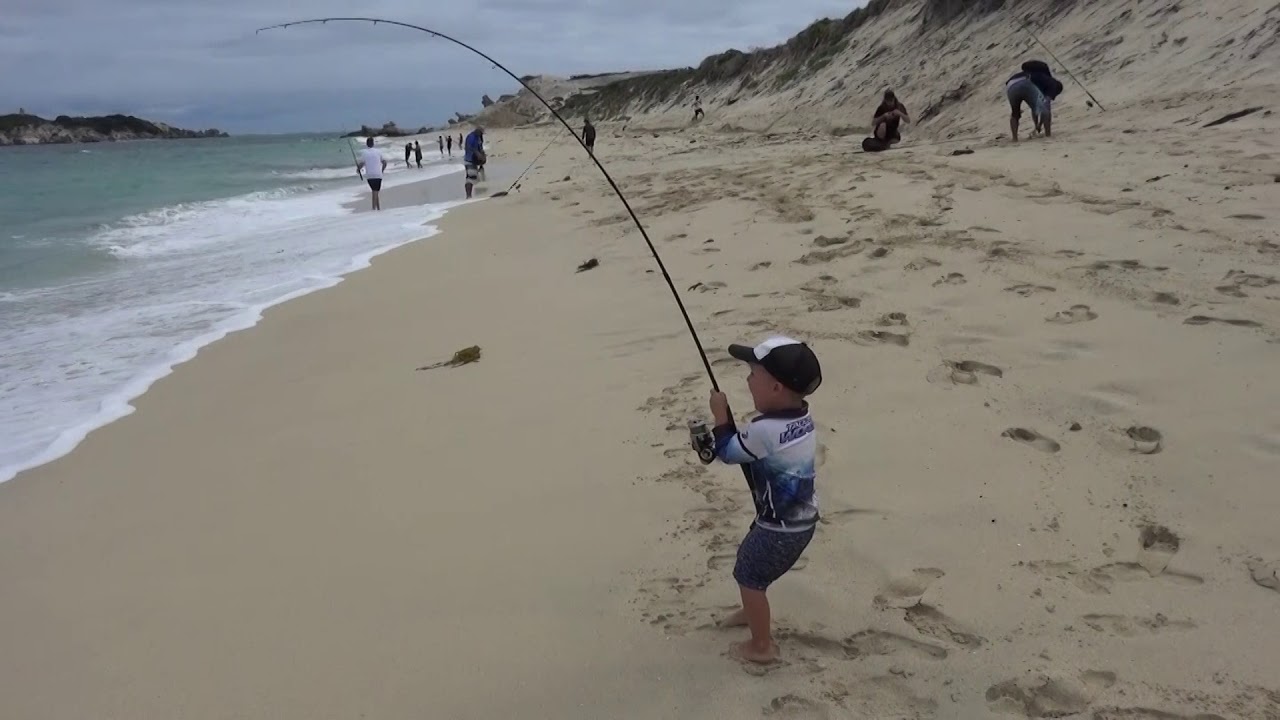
(473, 157)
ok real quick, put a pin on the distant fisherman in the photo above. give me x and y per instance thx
(372, 164)
(473, 158)
(589, 136)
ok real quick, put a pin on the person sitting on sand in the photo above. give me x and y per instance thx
(697, 108)
(1035, 86)
(371, 165)
(889, 115)
(473, 158)
(779, 449)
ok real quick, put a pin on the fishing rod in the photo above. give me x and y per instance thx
(522, 174)
(1027, 27)
(706, 364)
(355, 159)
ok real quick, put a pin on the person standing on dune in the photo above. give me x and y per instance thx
(372, 165)
(589, 136)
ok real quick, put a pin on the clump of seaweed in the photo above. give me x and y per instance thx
(465, 356)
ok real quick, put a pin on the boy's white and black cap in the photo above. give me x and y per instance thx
(789, 361)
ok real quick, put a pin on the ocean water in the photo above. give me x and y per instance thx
(119, 261)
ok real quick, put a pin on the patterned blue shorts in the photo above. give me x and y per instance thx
(766, 555)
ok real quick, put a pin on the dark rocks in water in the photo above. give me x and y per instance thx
(25, 129)
(588, 265)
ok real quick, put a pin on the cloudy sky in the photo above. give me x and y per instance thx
(197, 63)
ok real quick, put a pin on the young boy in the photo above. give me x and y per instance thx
(778, 448)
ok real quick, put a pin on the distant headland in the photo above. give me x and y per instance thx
(21, 128)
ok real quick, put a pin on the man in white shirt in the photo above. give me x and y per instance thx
(372, 164)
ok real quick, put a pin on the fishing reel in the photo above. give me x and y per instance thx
(702, 441)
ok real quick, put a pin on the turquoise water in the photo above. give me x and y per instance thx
(52, 197)
(119, 260)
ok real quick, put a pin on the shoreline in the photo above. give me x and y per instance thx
(438, 193)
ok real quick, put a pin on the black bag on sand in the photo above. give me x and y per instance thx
(1032, 67)
(872, 144)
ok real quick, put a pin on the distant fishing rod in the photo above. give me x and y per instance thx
(706, 364)
(1027, 27)
(355, 159)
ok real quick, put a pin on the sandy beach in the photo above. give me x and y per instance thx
(1048, 421)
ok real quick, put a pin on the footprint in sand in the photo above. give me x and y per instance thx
(903, 592)
(1027, 290)
(761, 265)
(1247, 216)
(1048, 697)
(881, 336)
(1074, 314)
(1206, 319)
(721, 562)
(954, 278)
(892, 318)
(1032, 438)
(1262, 574)
(795, 706)
(824, 241)
(1165, 298)
(827, 303)
(875, 642)
(929, 621)
(1238, 279)
(1141, 713)
(1146, 440)
(966, 372)
(1100, 580)
(921, 264)
(1127, 626)
(1159, 545)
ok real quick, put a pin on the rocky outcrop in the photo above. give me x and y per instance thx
(486, 101)
(25, 129)
(388, 129)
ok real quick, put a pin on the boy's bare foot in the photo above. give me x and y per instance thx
(737, 619)
(748, 652)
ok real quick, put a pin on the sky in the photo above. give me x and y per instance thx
(198, 63)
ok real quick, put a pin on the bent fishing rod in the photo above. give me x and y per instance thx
(706, 364)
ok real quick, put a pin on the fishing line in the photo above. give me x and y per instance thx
(526, 170)
(706, 364)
